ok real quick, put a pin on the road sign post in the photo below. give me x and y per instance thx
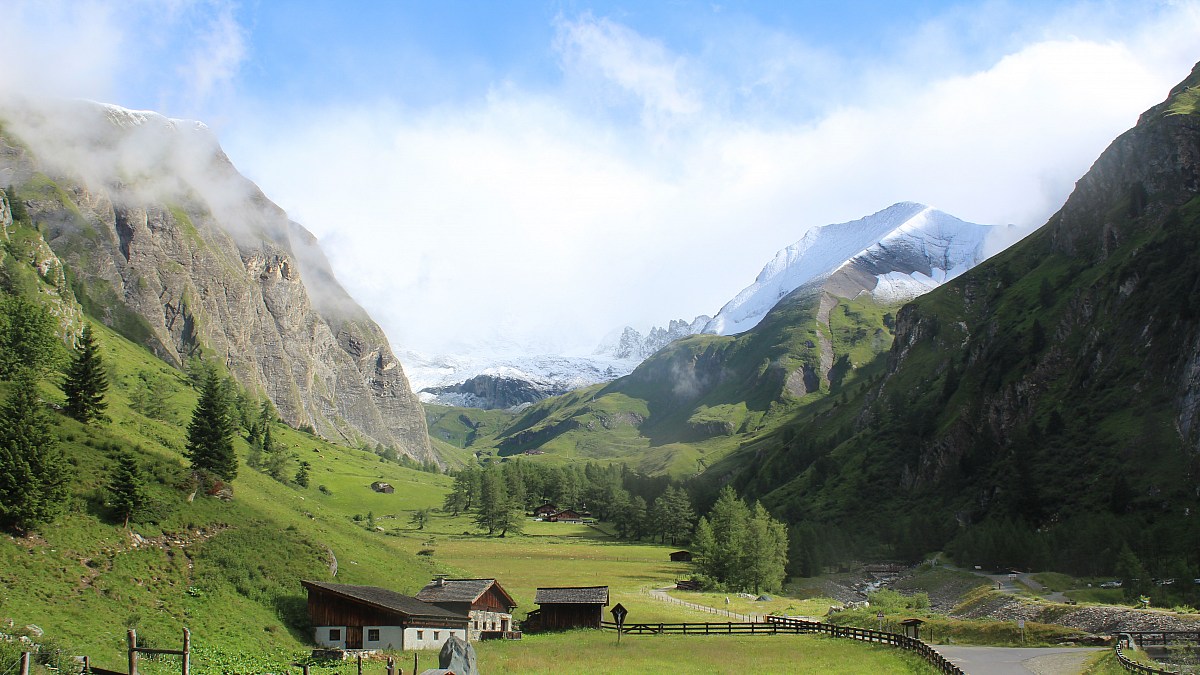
(880, 617)
(619, 612)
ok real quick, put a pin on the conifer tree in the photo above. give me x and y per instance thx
(34, 473)
(210, 433)
(86, 381)
(127, 488)
(28, 338)
(302, 474)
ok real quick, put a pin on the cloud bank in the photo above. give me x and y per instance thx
(650, 176)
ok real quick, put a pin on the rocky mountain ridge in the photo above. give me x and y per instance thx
(166, 242)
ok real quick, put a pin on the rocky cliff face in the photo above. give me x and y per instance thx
(169, 244)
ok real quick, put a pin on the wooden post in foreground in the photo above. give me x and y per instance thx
(391, 666)
(415, 671)
(24, 663)
(187, 652)
(132, 652)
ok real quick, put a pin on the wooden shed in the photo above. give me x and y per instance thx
(380, 486)
(681, 556)
(485, 602)
(565, 607)
(366, 617)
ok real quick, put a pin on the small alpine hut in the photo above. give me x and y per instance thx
(485, 602)
(566, 607)
(365, 617)
(681, 556)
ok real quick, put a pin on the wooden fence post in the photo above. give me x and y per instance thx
(132, 652)
(391, 666)
(187, 652)
(24, 663)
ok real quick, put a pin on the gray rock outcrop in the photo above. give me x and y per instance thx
(175, 249)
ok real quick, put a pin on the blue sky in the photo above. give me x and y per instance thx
(541, 173)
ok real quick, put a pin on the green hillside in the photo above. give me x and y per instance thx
(702, 397)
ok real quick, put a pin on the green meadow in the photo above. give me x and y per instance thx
(229, 571)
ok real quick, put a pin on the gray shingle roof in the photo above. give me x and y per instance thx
(572, 595)
(386, 600)
(459, 590)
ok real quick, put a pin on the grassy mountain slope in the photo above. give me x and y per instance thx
(227, 570)
(1051, 388)
(702, 397)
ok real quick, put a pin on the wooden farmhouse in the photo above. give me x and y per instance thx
(545, 510)
(566, 516)
(484, 601)
(561, 608)
(365, 617)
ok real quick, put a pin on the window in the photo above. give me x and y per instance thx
(435, 635)
(420, 635)
(373, 634)
(335, 634)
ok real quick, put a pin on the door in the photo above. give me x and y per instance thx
(354, 637)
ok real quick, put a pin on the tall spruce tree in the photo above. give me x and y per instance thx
(127, 488)
(34, 473)
(211, 431)
(86, 381)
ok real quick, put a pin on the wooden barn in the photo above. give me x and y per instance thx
(366, 617)
(484, 601)
(545, 510)
(566, 516)
(380, 486)
(681, 556)
(562, 608)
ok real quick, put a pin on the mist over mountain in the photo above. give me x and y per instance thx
(167, 243)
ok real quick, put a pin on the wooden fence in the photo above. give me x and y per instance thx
(775, 625)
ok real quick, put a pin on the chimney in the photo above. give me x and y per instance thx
(439, 580)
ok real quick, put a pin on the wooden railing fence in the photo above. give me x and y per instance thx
(775, 625)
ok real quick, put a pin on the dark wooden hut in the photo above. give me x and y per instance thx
(681, 556)
(561, 608)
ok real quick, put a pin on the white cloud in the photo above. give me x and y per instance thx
(647, 183)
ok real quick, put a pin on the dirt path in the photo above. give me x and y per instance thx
(661, 595)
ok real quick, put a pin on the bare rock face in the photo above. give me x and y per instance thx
(174, 248)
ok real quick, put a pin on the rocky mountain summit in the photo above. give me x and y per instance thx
(167, 243)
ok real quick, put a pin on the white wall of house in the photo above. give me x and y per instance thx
(430, 638)
(321, 635)
(390, 637)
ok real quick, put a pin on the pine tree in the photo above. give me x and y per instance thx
(210, 433)
(34, 474)
(302, 474)
(86, 381)
(28, 338)
(127, 488)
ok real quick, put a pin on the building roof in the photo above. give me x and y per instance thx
(572, 595)
(461, 590)
(384, 599)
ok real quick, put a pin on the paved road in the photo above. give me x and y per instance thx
(1018, 660)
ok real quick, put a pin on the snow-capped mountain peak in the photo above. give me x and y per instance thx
(895, 254)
